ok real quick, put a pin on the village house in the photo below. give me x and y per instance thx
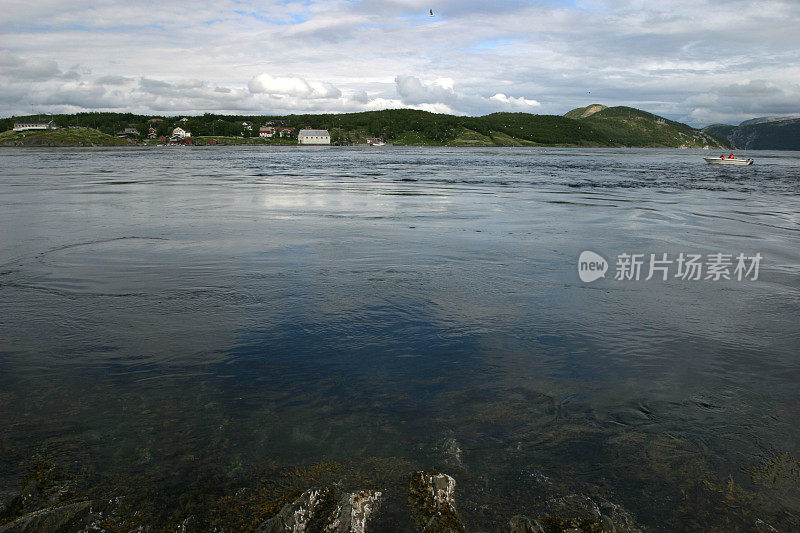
(130, 130)
(180, 134)
(267, 130)
(284, 131)
(152, 133)
(247, 126)
(314, 137)
(34, 125)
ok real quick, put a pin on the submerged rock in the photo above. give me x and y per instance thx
(297, 516)
(45, 487)
(452, 453)
(325, 510)
(432, 496)
(578, 512)
(353, 511)
(522, 524)
(52, 520)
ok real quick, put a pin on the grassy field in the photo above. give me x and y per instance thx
(60, 137)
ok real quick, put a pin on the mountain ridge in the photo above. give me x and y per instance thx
(764, 133)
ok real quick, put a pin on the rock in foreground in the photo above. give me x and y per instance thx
(325, 510)
(53, 520)
(432, 496)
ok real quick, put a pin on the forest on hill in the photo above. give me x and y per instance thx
(615, 126)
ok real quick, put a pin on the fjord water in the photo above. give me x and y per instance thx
(181, 323)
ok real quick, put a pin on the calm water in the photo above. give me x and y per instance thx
(180, 323)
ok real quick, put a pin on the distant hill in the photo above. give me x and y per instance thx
(766, 133)
(594, 125)
(761, 120)
(628, 126)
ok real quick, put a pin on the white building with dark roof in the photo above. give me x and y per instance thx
(180, 133)
(313, 137)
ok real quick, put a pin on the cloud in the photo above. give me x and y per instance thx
(441, 95)
(413, 92)
(515, 102)
(360, 97)
(675, 58)
(112, 80)
(35, 70)
(749, 98)
(292, 86)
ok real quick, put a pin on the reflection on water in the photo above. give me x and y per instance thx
(189, 322)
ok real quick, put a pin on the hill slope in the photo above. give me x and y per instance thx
(627, 126)
(60, 137)
(583, 112)
(760, 134)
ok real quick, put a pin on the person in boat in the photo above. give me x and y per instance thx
(730, 156)
(722, 157)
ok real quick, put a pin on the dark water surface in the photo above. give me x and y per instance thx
(180, 323)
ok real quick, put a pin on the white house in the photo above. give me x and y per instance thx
(266, 131)
(313, 137)
(35, 125)
(180, 133)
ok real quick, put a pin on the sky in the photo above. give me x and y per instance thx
(697, 61)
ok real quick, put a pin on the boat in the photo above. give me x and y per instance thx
(728, 161)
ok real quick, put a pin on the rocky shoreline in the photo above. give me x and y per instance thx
(48, 502)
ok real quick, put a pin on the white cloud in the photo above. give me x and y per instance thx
(441, 95)
(515, 102)
(673, 57)
(292, 86)
(413, 92)
(746, 99)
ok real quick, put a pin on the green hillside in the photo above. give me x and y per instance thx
(60, 137)
(626, 126)
(594, 125)
(776, 134)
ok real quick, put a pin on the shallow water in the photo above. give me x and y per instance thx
(193, 318)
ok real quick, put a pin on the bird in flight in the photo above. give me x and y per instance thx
(431, 15)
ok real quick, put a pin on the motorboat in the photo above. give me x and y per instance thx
(728, 161)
